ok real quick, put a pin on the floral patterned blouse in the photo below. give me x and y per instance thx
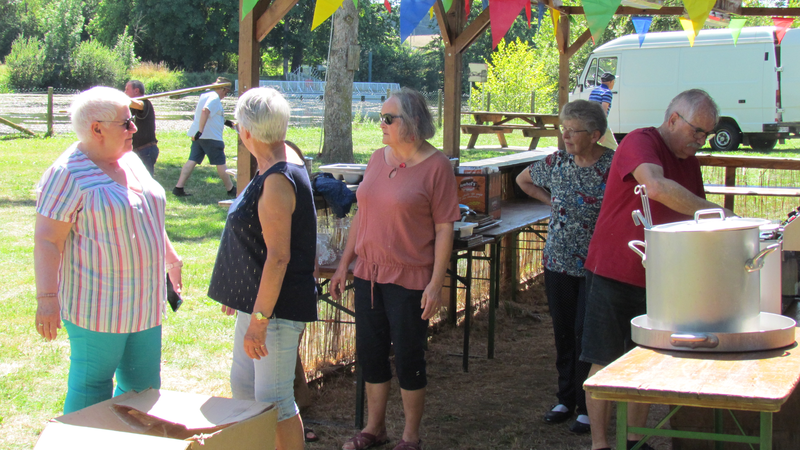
(576, 194)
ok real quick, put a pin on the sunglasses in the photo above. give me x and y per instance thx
(388, 119)
(125, 123)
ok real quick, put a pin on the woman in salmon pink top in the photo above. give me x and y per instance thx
(402, 235)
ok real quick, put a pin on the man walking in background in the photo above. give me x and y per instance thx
(602, 94)
(145, 143)
(206, 136)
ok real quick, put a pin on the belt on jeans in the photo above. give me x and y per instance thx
(146, 145)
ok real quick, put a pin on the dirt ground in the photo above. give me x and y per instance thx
(498, 404)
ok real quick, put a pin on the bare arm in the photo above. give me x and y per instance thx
(49, 238)
(339, 280)
(204, 115)
(275, 208)
(669, 193)
(526, 184)
(605, 106)
(443, 246)
(172, 257)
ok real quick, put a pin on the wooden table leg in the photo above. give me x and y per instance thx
(472, 140)
(502, 138)
(534, 143)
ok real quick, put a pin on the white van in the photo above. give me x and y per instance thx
(744, 79)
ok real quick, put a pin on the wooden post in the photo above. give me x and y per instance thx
(249, 65)
(49, 111)
(439, 109)
(562, 39)
(533, 102)
(16, 127)
(488, 101)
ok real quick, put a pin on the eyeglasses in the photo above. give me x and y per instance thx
(571, 131)
(125, 123)
(699, 133)
(388, 119)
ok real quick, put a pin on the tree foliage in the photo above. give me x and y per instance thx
(61, 26)
(93, 64)
(26, 63)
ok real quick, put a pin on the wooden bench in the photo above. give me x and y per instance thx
(536, 126)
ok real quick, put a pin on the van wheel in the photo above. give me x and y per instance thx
(762, 143)
(727, 137)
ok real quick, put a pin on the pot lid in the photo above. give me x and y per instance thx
(728, 223)
(715, 221)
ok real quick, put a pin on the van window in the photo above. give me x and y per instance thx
(598, 67)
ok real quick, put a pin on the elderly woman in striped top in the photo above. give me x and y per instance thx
(100, 254)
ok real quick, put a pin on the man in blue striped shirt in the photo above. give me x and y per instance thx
(602, 94)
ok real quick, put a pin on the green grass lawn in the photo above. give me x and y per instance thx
(197, 340)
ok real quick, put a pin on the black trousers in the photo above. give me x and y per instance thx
(566, 296)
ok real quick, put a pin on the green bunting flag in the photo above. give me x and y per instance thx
(598, 14)
(736, 26)
(247, 6)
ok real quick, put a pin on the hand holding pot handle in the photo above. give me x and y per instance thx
(642, 253)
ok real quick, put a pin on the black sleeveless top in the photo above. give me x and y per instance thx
(243, 252)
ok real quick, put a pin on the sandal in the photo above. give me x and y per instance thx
(362, 441)
(405, 445)
(309, 435)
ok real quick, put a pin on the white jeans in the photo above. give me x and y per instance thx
(270, 379)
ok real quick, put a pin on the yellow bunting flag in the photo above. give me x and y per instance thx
(323, 10)
(698, 13)
(431, 12)
(555, 15)
(688, 27)
(736, 26)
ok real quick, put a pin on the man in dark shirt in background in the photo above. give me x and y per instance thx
(144, 140)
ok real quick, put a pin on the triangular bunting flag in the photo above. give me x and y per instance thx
(541, 8)
(555, 15)
(484, 4)
(447, 5)
(247, 6)
(355, 2)
(430, 13)
(688, 27)
(598, 14)
(411, 14)
(323, 10)
(387, 5)
(502, 14)
(467, 5)
(698, 13)
(736, 26)
(781, 25)
(642, 25)
(528, 12)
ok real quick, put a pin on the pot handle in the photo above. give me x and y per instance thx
(633, 246)
(757, 262)
(704, 212)
(689, 340)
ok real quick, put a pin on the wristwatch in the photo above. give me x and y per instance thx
(260, 317)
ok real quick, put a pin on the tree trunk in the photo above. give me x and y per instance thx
(338, 123)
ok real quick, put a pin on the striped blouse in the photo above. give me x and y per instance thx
(112, 275)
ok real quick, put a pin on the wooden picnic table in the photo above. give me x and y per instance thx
(536, 126)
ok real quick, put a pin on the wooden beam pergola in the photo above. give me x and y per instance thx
(457, 36)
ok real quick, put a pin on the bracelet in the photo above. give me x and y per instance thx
(170, 266)
(51, 294)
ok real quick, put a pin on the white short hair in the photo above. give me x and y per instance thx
(264, 113)
(97, 103)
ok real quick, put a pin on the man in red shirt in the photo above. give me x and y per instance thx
(663, 160)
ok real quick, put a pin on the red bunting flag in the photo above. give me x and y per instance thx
(528, 13)
(502, 14)
(781, 25)
(387, 5)
(467, 4)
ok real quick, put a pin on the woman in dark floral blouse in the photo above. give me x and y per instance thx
(572, 182)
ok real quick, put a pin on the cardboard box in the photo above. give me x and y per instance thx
(481, 192)
(160, 420)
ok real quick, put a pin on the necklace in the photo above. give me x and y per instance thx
(402, 165)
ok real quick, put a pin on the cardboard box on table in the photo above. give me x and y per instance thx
(480, 191)
(161, 420)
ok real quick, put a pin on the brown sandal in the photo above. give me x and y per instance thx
(405, 445)
(362, 441)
